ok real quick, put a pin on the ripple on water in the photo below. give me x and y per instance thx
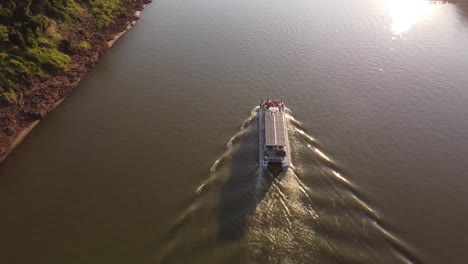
(308, 214)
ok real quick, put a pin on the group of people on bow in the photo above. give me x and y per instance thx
(272, 103)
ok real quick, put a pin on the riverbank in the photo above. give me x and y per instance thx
(19, 119)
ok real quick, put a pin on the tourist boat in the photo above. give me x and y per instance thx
(273, 134)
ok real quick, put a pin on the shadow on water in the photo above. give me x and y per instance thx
(241, 193)
(275, 169)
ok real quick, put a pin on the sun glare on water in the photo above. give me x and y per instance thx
(406, 13)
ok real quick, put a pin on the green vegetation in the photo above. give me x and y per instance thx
(48, 58)
(84, 45)
(9, 96)
(30, 39)
(105, 11)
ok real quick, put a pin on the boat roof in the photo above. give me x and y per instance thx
(274, 128)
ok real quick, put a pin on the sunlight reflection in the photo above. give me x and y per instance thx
(321, 154)
(406, 13)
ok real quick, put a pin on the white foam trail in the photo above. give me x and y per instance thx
(305, 134)
(235, 137)
(304, 190)
(288, 213)
(282, 199)
(293, 120)
(322, 154)
(255, 109)
(300, 183)
(385, 232)
(230, 142)
(339, 176)
(398, 245)
(215, 165)
(187, 213)
(365, 206)
(390, 237)
(213, 176)
(288, 110)
(253, 114)
(229, 148)
(289, 198)
(200, 188)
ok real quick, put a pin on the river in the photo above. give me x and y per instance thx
(153, 159)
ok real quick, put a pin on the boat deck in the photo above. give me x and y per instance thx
(275, 128)
(273, 132)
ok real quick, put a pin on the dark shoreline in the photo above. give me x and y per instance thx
(18, 120)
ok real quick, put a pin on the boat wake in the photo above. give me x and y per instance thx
(310, 213)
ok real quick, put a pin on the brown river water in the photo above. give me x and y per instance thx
(153, 159)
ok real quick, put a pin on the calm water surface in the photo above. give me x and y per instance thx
(154, 158)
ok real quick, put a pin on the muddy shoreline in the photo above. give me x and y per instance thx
(18, 120)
